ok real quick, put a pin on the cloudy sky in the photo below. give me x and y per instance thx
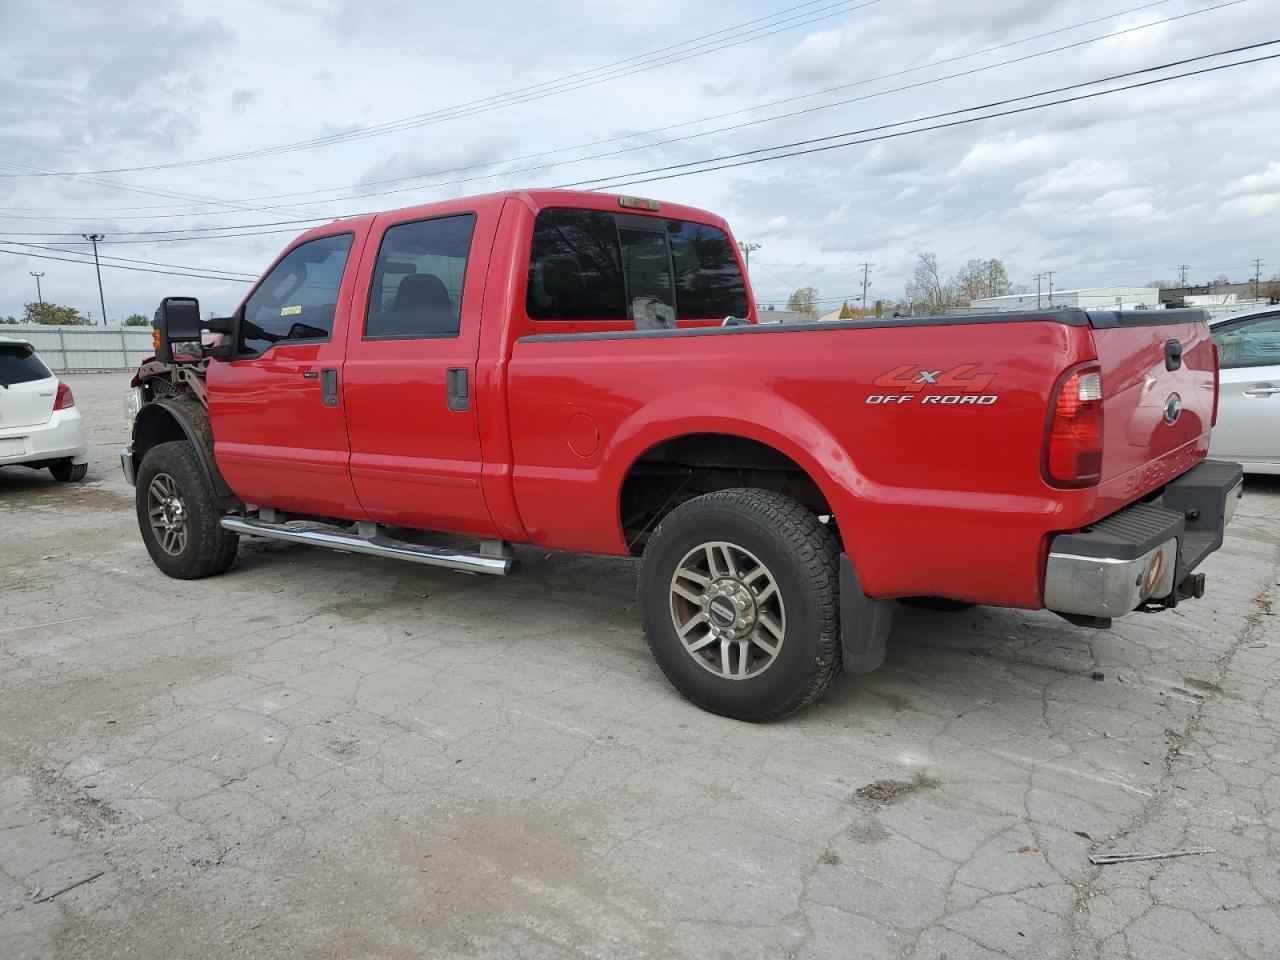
(225, 125)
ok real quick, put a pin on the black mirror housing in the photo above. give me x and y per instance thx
(178, 321)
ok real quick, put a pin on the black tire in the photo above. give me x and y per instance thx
(802, 559)
(937, 604)
(206, 548)
(64, 471)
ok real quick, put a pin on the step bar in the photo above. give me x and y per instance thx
(378, 545)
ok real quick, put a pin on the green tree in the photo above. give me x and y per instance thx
(9, 319)
(804, 302)
(845, 312)
(52, 314)
(136, 320)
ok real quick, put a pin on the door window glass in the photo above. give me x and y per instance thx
(1249, 343)
(298, 298)
(417, 280)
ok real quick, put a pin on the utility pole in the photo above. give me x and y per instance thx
(1038, 277)
(39, 295)
(94, 238)
(746, 249)
(1049, 274)
(866, 274)
(1182, 273)
(1257, 277)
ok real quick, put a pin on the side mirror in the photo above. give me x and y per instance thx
(177, 321)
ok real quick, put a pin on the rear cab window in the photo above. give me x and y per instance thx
(602, 267)
(416, 287)
(19, 364)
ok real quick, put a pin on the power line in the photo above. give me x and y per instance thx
(645, 146)
(717, 163)
(602, 183)
(151, 263)
(640, 63)
(117, 266)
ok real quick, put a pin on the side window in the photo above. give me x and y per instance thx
(1249, 343)
(297, 300)
(417, 281)
(575, 267)
(708, 282)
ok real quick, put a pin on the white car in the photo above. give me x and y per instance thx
(1248, 428)
(39, 423)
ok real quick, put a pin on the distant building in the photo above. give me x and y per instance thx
(1091, 298)
(781, 316)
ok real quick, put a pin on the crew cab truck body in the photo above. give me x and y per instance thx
(587, 372)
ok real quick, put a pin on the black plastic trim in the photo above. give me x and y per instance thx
(1111, 319)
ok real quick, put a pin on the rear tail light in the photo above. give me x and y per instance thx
(65, 399)
(1073, 438)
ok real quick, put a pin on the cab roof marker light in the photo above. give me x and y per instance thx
(639, 203)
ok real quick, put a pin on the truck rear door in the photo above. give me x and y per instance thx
(1157, 391)
(410, 375)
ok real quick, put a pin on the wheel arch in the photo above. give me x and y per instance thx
(770, 448)
(181, 418)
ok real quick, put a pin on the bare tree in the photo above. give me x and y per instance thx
(981, 278)
(804, 302)
(926, 289)
(1220, 278)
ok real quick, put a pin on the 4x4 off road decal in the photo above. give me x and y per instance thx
(910, 383)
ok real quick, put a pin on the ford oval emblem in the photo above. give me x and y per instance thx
(1172, 409)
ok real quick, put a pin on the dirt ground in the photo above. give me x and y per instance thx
(320, 755)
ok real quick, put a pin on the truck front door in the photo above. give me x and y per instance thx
(279, 434)
(409, 386)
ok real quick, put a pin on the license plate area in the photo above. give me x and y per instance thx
(13, 446)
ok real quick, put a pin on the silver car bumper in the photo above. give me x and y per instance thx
(1144, 555)
(1108, 586)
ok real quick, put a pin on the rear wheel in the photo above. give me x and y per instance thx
(64, 471)
(177, 514)
(739, 591)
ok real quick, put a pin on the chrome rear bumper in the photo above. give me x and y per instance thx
(1144, 553)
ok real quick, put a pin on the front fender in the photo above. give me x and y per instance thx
(181, 418)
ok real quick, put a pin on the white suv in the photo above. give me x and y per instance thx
(39, 423)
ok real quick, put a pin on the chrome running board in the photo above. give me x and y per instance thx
(378, 545)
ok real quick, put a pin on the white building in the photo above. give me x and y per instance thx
(1093, 298)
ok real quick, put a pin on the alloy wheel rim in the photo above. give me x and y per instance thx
(727, 610)
(167, 514)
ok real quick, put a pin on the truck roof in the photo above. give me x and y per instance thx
(537, 199)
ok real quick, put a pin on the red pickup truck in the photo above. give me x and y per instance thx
(588, 372)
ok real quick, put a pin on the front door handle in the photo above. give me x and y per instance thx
(1261, 390)
(329, 387)
(458, 386)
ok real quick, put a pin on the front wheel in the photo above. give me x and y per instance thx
(739, 591)
(178, 516)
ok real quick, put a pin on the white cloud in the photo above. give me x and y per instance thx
(1268, 181)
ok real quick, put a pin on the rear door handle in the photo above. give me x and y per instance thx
(1261, 390)
(458, 386)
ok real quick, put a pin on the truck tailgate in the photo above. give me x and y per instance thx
(1158, 392)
